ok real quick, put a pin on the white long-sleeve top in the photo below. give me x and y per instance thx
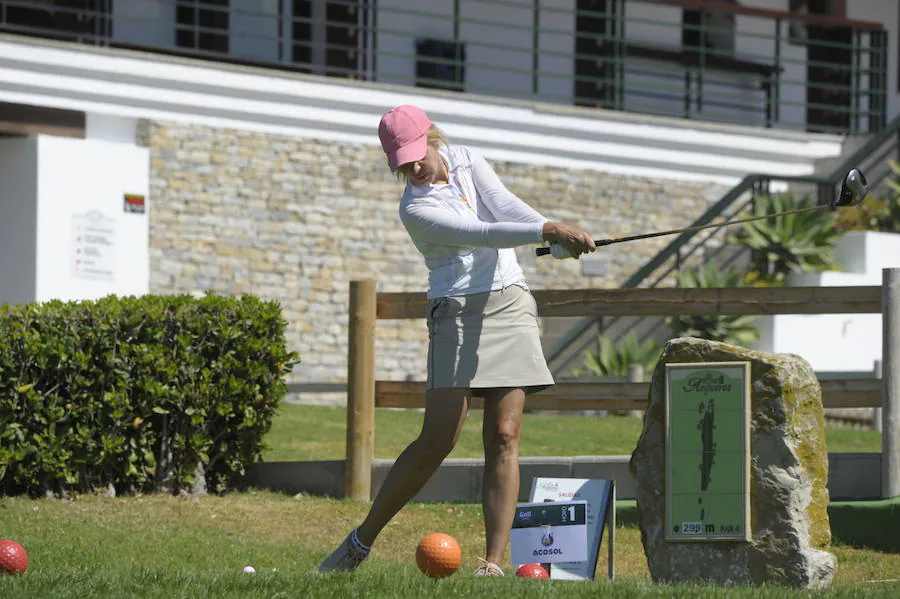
(466, 228)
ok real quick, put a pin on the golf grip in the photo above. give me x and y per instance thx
(597, 242)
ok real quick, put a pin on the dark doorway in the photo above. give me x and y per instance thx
(828, 68)
(596, 41)
(327, 37)
(20, 120)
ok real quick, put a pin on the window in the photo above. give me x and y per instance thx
(327, 37)
(302, 32)
(440, 64)
(70, 20)
(707, 29)
(202, 25)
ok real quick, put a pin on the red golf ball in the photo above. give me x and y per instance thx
(532, 571)
(13, 559)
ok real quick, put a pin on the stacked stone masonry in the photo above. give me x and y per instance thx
(295, 220)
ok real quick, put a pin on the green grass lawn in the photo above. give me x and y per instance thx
(302, 433)
(171, 547)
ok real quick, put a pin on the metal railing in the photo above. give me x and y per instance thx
(872, 157)
(682, 58)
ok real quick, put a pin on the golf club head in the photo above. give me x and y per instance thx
(853, 189)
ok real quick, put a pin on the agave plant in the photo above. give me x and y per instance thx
(613, 358)
(731, 329)
(788, 243)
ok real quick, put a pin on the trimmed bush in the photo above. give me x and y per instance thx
(137, 394)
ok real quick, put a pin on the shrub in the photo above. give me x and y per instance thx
(136, 393)
(875, 213)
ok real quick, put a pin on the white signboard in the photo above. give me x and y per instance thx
(549, 532)
(94, 246)
(599, 494)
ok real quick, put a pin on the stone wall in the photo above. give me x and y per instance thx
(295, 220)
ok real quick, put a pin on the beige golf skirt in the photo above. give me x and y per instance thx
(486, 340)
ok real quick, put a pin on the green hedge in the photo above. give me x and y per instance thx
(872, 524)
(141, 394)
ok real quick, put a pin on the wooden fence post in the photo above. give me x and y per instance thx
(890, 411)
(360, 390)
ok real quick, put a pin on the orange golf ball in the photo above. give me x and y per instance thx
(438, 555)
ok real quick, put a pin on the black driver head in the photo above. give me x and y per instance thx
(853, 189)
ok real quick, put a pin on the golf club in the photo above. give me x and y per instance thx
(853, 189)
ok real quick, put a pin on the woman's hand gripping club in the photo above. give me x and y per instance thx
(567, 241)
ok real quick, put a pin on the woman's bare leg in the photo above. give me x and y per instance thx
(502, 422)
(445, 413)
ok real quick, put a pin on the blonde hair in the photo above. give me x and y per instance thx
(435, 137)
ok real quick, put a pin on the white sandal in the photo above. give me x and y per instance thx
(488, 569)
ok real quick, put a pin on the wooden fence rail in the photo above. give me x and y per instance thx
(836, 393)
(365, 394)
(671, 302)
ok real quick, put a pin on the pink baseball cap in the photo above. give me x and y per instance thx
(402, 132)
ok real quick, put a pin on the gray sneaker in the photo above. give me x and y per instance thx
(347, 557)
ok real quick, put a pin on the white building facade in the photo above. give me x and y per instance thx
(219, 145)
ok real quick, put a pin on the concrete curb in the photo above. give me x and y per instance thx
(851, 476)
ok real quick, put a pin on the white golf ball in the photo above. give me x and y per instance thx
(249, 570)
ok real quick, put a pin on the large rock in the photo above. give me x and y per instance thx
(788, 474)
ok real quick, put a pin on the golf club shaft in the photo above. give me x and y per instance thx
(599, 242)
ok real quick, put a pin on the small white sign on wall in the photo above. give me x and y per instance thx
(94, 247)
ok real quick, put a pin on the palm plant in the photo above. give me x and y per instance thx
(788, 243)
(732, 329)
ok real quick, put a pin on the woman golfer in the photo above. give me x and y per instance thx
(482, 323)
